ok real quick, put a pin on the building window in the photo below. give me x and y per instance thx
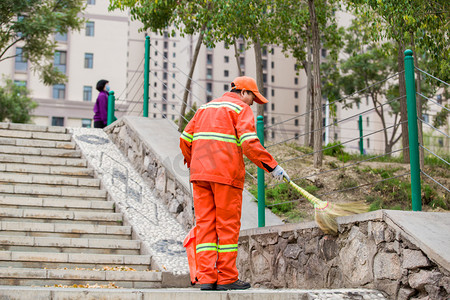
(209, 73)
(57, 121)
(208, 98)
(273, 134)
(165, 65)
(225, 73)
(91, 2)
(87, 93)
(296, 136)
(368, 143)
(209, 59)
(174, 45)
(166, 34)
(272, 65)
(273, 92)
(272, 120)
(241, 47)
(273, 78)
(296, 95)
(296, 108)
(166, 54)
(426, 118)
(173, 96)
(89, 28)
(335, 136)
(61, 61)
(242, 62)
(439, 98)
(174, 55)
(59, 91)
(225, 87)
(21, 62)
(166, 45)
(324, 52)
(296, 122)
(61, 37)
(441, 142)
(164, 107)
(86, 123)
(154, 116)
(226, 59)
(264, 51)
(164, 75)
(88, 60)
(296, 80)
(209, 87)
(367, 122)
(265, 78)
(173, 106)
(264, 64)
(20, 83)
(173, 117)
(273, 106)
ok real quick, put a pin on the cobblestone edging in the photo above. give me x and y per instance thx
(160, 233)
(160, 173)
(368, 253)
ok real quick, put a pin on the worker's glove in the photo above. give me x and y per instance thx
(279, 173)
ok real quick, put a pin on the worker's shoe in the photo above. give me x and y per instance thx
(237, 285)
(208, 286)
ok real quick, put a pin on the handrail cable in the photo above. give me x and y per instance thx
(423, 147)
(132, 77)
(432, 100)
(343, 167)
(356, 92)
(432, 76)
(334, 123)
(441, 132)
(326, 148)
(343, 190)
(169, 89)
(154, 105)
(421, 171)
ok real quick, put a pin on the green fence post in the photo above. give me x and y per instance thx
(361, 139)
(261, 187)
(412, 131)
(146, 75)
(111, 107)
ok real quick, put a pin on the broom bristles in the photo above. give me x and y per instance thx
(326, 212)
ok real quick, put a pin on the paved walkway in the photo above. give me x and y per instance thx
(35, 293)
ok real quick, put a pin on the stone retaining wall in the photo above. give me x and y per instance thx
(367, 253)
(158, 174)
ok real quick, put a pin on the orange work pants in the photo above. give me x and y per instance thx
(218, 214)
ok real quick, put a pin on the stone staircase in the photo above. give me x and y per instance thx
(57, 226)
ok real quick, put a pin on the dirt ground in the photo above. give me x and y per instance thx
(340, 182)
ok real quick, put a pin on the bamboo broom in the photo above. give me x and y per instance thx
(326, 212)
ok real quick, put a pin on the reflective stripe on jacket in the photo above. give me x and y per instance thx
(214, 141)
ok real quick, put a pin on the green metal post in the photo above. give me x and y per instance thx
(146, 74)
(412, 131)
(111, 107)
(261, 184)
(361, 139)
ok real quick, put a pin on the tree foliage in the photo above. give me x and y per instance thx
(31, 25)
(15, 105)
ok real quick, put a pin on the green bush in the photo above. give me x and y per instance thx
(337, 149)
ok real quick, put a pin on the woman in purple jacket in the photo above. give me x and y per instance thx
(101, 105)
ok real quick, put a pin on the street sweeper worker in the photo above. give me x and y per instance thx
(213, 144)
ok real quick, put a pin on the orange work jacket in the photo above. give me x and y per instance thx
(215, 139)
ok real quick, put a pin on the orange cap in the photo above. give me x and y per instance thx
(248, 83)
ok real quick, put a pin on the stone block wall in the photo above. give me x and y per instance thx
(368, 254)
(158, 174)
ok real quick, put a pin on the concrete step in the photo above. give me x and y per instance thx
(65, 230)
(51, 170)
(43, 277)
(56, 203)
(38, 135)
(12, 141)
(45, 190)
(69, 245)
(32, 127)
(54, 293)
(6, 149)
(12, 177)
(43, 160)
(60, 216)
(18, 259)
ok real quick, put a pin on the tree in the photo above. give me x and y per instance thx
(189, 17)
(31, 24)
(15, 105)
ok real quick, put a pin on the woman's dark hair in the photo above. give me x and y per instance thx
(101, 85)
